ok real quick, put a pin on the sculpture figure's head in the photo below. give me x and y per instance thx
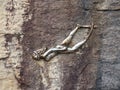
(37, 55)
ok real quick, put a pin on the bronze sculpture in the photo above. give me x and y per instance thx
(47, 54)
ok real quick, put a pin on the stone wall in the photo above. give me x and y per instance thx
(52, 21)
(27, 25)
(109, 62)
(11, 35)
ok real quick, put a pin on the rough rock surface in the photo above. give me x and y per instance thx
(51, 22)
(109, 63)
(11, 21)
(27, 25)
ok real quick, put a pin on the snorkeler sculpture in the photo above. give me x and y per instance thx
(63, 48)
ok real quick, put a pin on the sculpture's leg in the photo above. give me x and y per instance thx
(75, 47)
(67, 40)
(78, 45)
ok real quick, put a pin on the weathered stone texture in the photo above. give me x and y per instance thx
(11, 21)
(109, 69)
(112, 5)
(26, 25)
(51, 22)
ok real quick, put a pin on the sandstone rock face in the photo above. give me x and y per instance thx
(51, 22)
(27, 25)
(11, 35)
(109, 63)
